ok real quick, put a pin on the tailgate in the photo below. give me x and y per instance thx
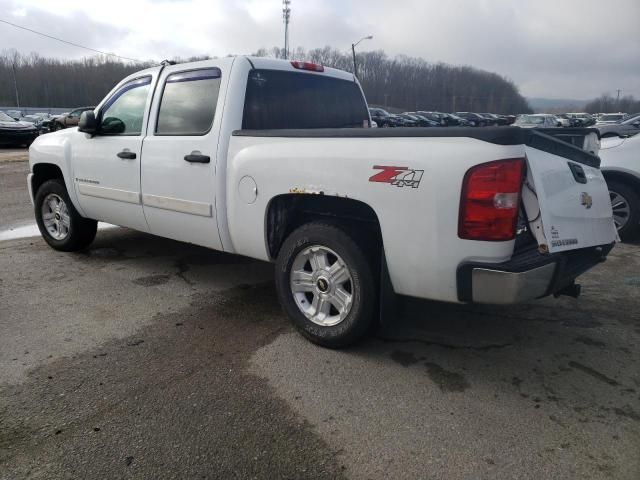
(566, 197)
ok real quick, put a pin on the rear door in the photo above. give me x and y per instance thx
(179, 155)
(573, 206)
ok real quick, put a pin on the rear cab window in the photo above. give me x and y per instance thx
(277, 99)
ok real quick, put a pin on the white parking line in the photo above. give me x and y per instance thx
(27, 231)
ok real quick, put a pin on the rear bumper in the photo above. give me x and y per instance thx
(528, 275)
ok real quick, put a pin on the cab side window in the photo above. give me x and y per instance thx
(188, 102)
(123, 113)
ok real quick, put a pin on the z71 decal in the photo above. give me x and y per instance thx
(398, 176)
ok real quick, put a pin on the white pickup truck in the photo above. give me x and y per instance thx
(272, 159)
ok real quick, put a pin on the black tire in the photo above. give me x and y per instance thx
(361, 265)
(631, 229)
(81, 230)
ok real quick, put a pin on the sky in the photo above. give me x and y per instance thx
(575, 49)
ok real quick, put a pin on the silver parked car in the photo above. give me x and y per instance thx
(538, 120)
(627, 128)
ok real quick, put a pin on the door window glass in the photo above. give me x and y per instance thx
(188, 102)
(123, 113)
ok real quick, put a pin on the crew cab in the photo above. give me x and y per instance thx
(272, 159)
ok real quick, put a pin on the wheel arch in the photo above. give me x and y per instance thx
(622, 177)
(286, 212)
(43, 172)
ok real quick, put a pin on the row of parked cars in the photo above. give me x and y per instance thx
(421, 118)
(609, 124)
(19, 129)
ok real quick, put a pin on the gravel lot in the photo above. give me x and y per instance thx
(148, 358)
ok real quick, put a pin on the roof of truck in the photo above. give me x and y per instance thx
(268, 63)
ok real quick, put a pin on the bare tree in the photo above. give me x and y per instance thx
(409, 83)
(402, 82)
(608, 104)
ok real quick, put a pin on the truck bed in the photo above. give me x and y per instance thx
(497, 135)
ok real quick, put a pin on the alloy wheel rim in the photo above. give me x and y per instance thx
(321, 285)
(55, 216)
(621, 209)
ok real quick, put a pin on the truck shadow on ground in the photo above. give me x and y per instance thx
(547, 338)
(482, 328)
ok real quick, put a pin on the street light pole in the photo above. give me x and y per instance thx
(353, 51)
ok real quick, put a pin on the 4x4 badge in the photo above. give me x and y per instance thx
(398, 176)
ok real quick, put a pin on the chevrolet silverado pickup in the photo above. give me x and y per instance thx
(272, 159)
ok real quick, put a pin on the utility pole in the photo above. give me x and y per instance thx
(15, 84)
(618, 97)
(286, 15)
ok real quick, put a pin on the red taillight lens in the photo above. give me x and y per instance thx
(490, 199)
(313, 67)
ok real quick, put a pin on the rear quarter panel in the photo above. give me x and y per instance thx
(419, 225)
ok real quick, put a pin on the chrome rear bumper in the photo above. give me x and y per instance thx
(494, 286)
(528, 275)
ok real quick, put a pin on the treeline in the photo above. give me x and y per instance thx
(414, 84)
(608, 104)
(401, 82)
(51, 82)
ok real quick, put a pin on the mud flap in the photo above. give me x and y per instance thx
(387, 298)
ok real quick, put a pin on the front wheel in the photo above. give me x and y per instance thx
(625, 204)
(60, 224)
(326, 285)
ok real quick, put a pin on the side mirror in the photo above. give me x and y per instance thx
(88, 123)
(112, 126)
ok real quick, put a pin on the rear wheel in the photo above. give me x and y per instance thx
(626, 209)
(60, 224)
(326, 285)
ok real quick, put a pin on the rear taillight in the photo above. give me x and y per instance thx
(313, 67)
(490, 199)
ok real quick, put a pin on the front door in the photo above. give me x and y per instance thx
(179, 156)
(106, 167)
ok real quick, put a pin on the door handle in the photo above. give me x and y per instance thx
(127, 155)
(194, 157)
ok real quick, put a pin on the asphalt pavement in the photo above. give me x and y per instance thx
(148, 358)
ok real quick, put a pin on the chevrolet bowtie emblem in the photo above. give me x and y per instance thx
(586, 200)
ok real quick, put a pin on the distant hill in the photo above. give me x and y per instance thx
(556, 105)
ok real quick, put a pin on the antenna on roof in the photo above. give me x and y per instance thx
(286, 14)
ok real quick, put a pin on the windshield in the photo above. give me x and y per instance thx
(529, 120)
(5, 118)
